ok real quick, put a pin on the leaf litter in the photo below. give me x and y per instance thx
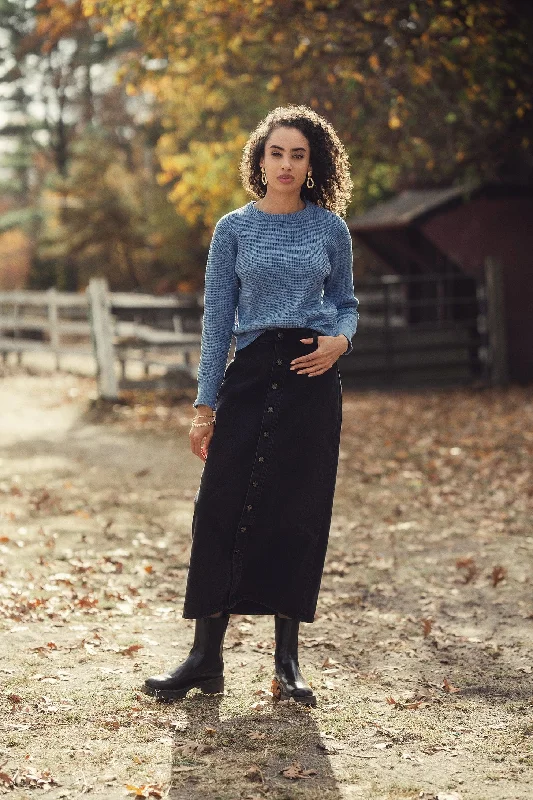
(424, 594)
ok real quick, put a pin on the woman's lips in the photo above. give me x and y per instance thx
(285, 178)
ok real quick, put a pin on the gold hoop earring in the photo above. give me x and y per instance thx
(263, 176)
(309, 182)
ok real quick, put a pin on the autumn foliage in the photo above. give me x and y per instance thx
(421, 92)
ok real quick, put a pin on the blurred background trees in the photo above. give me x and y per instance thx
(126, 121)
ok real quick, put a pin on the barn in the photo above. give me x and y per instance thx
(463, 258)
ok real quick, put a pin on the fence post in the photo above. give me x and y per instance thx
(16, 330)
(496, 322)
(53, 329)
(102, 337)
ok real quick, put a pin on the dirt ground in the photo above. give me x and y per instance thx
(420, 654)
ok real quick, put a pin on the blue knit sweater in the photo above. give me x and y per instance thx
(273, 270)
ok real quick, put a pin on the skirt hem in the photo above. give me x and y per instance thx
(250, 606)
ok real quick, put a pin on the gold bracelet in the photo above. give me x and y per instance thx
(202, 424)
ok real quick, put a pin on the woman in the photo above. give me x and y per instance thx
(278, 278)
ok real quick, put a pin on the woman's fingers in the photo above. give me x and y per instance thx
(316, 369)
(200, 442)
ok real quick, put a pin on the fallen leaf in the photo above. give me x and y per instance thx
(148, 790)
(469, 565)
(498, 574)
(297, 772)
(129, 651)
(7, 779)
(192, 748)
(254, 774)
(447, 686)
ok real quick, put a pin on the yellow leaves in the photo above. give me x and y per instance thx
(450, 66)
(373, 60)
(273, 83)
(394, 120)
(302, 48)
(207, 177)
(320, 21)
(235, 44)
(421, 75)
(89, 7)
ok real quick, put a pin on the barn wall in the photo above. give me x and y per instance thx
(501, 227)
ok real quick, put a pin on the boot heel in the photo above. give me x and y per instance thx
(213, 685)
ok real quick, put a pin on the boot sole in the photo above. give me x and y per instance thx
(279, 693)
(207, 686)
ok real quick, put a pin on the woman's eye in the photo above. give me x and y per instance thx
(297, 155)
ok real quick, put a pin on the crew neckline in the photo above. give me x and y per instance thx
(286, 215)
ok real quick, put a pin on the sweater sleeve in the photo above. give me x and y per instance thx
(338, 286)
(221, 294)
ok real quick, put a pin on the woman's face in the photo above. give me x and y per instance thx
(286, 159)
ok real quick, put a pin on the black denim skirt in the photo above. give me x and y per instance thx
(262, 512)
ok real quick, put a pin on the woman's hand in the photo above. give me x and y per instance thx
(201, 437)
(320, 360)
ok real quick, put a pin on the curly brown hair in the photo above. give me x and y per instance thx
(329, 160)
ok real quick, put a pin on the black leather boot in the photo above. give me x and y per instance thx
(288, 680)
(203, 668)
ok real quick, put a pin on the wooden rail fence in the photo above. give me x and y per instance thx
(419, 330)
(108, 327)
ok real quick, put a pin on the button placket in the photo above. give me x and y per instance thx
(246, 524)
